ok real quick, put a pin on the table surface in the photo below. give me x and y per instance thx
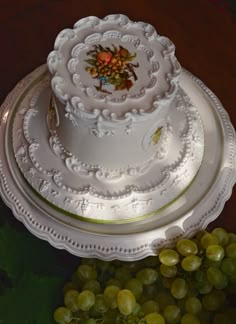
(202, 30)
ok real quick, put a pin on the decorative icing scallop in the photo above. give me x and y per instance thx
(146, 75)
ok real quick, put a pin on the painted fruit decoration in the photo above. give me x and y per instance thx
(156, 136)
(112, 66)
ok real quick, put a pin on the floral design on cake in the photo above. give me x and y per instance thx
(112, 67)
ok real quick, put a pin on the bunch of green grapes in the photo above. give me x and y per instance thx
(192, 283)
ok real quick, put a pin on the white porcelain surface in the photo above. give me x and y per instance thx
(198, 206)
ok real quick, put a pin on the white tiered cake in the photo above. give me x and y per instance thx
(127, 139)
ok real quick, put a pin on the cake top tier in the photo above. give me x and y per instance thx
(113, 66)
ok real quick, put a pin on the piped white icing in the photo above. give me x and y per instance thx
(158, 70)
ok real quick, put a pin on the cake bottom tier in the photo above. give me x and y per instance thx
(57, 178)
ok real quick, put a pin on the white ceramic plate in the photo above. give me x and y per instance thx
(194, 210)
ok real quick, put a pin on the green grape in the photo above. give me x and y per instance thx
(214, 264)
(186, 247)
(199, 235)
(131, 319)
(214, 300)
(62, 315)
(147, 276)
(137, 309)
(191, 263)
(122, 274)
(100, 306)
(216, 278)
(221, 318)
(215, 252)
(200, 275)
(92, 285)
(70, 285)
(135, 286)
(222, 236)
(126, 301)
(149, 292)
(133, 266)
(232, 238)
(114, 282)
(154, 318)
(179, 288)
(167, 282)
(228, 266)
(83, 316)
(193, 305)
(91, 321)
(190, 319)
(86, 300)
(75, 280)
(70, 300)
(105, 272)
(223, 284)
(110, 317)
(164, 299)
(172, 314)
(92, 262)
(181, 304)
(204, 287)
(151, 261)
(231, 250)
(168, 271)
(104, 265)
(150, 306)
(192, 289)
(86, 272)
(208, 239)
(202, 283)
(92, 313)
(205, 317)
(169, 257)
(110, 296)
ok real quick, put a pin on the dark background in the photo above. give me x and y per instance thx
(204, 32)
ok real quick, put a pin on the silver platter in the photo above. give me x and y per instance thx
(194, 210)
